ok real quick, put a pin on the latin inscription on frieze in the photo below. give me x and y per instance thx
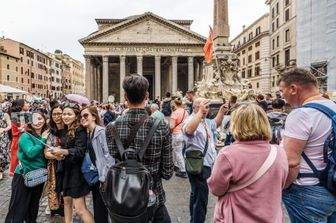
(146, 50)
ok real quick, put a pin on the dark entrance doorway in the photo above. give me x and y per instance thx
(149, 77)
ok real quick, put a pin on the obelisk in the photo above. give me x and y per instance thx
(221, 27)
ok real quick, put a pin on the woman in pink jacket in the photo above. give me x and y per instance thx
(246, 193)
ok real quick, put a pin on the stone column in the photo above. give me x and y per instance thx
(190, 73)
(87, 77)
(139, 64)
(99, 82)
(105, 78)
(198, 71)
(92, 86)
(174, 67)
(122, 75)
(157, 76)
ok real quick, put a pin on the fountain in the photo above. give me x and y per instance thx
(221, 78)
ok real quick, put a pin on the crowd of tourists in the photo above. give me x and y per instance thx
(278, 149)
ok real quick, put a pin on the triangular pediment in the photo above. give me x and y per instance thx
(146, 28)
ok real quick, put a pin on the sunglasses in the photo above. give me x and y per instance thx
(56, 114)
(85, 116)
(70, 105)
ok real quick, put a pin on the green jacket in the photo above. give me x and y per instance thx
(30, 154)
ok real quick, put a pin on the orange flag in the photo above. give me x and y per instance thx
(208, 47)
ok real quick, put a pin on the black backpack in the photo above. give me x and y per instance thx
(166, 108)
(277, 128)
(126, 190)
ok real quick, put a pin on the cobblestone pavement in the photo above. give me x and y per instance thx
(177, 193)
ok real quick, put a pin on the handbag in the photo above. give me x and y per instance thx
(35, 177)
(194, 157)
(262, 170)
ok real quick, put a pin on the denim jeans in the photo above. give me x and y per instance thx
(309, 204)
(199, 195)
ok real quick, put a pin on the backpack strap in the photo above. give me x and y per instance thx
(331, 114)
(130, 138)
(134, 129)
(148, 139)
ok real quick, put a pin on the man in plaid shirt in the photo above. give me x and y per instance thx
(158, 156)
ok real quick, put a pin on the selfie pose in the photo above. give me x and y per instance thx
(25, 200)
(72, 149)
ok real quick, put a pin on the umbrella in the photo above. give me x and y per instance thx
(78, 99)
(4, 89)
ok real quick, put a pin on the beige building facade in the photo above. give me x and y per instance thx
(30, 71)
(283, 37)
(252, 46)
(166, 52)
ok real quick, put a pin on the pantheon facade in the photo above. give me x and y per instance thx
(166, 52)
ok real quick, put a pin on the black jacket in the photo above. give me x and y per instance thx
(72, 174)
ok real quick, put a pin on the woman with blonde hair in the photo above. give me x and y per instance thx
(248, 176)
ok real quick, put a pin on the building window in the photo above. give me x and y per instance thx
(273, 44)
(257, 70)
(32, 63)
(244, 40)
(8, 67)
(286, 15)
(287, 57)
(273, 61)
(32, 75)
(21, 79)
(17, 79)
(250, 48)
(273, 13)
(249, 72)
(28, 61)
(257, 84)
(257, 55)
(257, 44)
(277, 23)
(249, 58)
(243, 61)
(272, 26)
(277, 41)
(286, 2)
(8, 78)
(21, 51)
(21, 59)
(277, 59)
(243, 52)
(258, 31)
(287, 35)
(250, 35)
(21, 70)
(277, 8)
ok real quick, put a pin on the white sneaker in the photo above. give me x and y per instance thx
(1, 175)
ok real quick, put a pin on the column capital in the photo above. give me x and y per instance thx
(122, 58)
(157, 57)
(174, 59)
(190, 59)
(105, 58)
(139, 57)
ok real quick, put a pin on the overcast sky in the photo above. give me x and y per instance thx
(59, 24)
